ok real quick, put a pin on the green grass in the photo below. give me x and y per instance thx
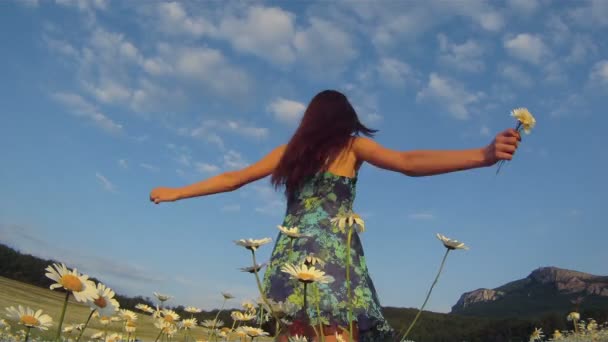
(13, 293)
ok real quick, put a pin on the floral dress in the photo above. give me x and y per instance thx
(321, 198)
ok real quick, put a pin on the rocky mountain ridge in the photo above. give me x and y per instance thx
(542, 282)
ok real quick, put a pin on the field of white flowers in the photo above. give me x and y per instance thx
(95, 315)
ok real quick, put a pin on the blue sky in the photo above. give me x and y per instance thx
(101, 101)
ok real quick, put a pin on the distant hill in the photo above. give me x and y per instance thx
(545, 290)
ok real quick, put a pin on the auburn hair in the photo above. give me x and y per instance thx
(327, 127)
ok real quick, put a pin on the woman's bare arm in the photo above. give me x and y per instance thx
(224, 182)
(434, 162)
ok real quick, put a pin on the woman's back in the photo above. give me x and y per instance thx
(320, 198)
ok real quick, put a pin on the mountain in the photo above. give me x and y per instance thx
(546, 289)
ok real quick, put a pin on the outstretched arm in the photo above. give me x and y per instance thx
(224, 182)
(434, 162)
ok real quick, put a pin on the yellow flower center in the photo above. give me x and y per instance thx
(306, 277)
(169, 319)
(71, 282)
(100, 302)
(130, 324)
(29, 320)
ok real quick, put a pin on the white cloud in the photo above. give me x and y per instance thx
(484, 131)
(269, 201)
(516, 75)
(450, 94)
(527, 47)
(525, 7)
(107, 91)
(82, 108)
(287, 111)
(210, 68)
(107, 185)
(29, 3)
(123, 163)
(421, 216)
(149, 167)
(599, 72)
(231, 208)
(208, 130)
(583, 48)
(206, 168)
(234, 160)
(84, 5)
(372, 118)
(266, 32)
(324, 46)
(591, 13)
(175, 20)
(394, 72)
(467, 56)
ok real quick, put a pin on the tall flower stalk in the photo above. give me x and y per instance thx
(348, 290)
(350, 220)
(450, 245)
(86, 324)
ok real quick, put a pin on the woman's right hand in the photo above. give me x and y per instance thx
(162, 194)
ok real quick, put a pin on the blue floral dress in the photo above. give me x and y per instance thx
(321, 198)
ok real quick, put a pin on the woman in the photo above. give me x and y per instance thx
(318, 169)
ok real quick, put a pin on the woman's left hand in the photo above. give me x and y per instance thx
(502, 147)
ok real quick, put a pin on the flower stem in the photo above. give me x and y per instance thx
(27, 334)
(348, 292)
(259, 283)
(319, 313)
(65, 305)
(215, 320)
(85, 325)
(428, 294)
(158, 336)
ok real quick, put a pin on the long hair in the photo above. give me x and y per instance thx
(327, 127)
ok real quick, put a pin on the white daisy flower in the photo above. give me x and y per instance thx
(104, 304)
(170, 316)
(252, 244)
(312, 260)
(293, 232)
(104, 320)
(306, 274)
(192, 310)
(240, 316)
(525, 118)
(298, 338)
(97, 335)
(162, 297)
(144, 308)
(227, 295)
(78, 284)
(188, 323)
(451, 244)
(114, 338)
(127, 315)
(29, 317)
(252, 269)
(130, 327)
(248, 305)
(537, 334)
(211, 323)
(573, 316)
(253, 332)
(348, 220)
